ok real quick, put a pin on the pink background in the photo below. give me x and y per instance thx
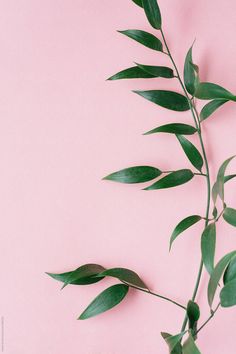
(63, 127)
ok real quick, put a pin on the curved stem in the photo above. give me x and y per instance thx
(209, 318)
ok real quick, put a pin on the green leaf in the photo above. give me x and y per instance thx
(228, 178)
(172, 180)
(184, 225)
(137, 174)
(228, 294)
(145, 38)
(109, 298)
(209, 91)
(230, 273)
(153, 13)
(189, 346)
(126, 275)
(81, 276)
(210, 108)
(172, 341)
(217, 274)
(178, 347)
(167, 99)
(221, 178)
(138, 2)
(214, 192)
(230, 216)
(191, 152)
(191, 79)
(208, 245)
(157, 71)
(193, 313)
(134, 72)
(174, 128)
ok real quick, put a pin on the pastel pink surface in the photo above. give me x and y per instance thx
(63, 127)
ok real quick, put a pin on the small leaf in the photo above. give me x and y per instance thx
(208, 245)
(221, 178)
(228, 294)
(189, 346)
(230, 273)
(191, 152)
(184, 225)
(228, 178)
(172, 180)
(126, 275)
(191, 79)
(145, 38)
(214, 192)
(109, 298)
(193, 313)
(230, 216)
(174, 128)
(157, 71)
(138, 2)
(137, 174)
(172, 341)
(153, 13)
(167, 99)
(217, 274)
(131, 73)
(210, 108)
(209, 91)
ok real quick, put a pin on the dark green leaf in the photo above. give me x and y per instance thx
(228, 178)
(172, 341)
(217, 274)
(209, 91)
(167, 99)
(230, 216)
(189, 346)
(191, 79)
(210, 108)
(137, 174)
(81, 276)
(172, 180)
(138, 2)
(193, 313)
(228, 294)
(153, 13)
(157, 71)
(215, 212)
(126, 275)
(191, 152)
(208, 245)
(221, 178)
(145, 38)
(131, 73)
(230, 272)
(174, 128)
(109, 298)
(184, 225)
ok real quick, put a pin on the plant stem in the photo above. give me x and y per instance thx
(209, 318)
(198, 126)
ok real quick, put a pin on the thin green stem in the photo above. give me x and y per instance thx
(209, 318)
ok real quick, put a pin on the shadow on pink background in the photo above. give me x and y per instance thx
(62, 129)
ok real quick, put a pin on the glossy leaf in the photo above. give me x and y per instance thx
(153, 13)
(210, 108)
(191, 152)
(190, 76)
(208, 245)
(145, 38)
(190, 347)
(109, 298)
(221, 177)
(157, 71)
(193, 313)
(138, 2)
(230, 273)
(167, 99)
(172, 180)
(174, 128)
(217, 274)
(134, 72)
(209, 91)
(184, 225)
(126, 275)
(81, 276)
(172, 341)
(230, 216)
(228, 294)
(137, 174)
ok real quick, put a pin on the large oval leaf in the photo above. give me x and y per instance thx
(174, 128)
(105, 301)
(131, 73)
(137, 174)
(217, 274)
(189, 346)
(172, 341)
(153, 13)
(167, 99)
(145, 38)
(210, 108)
(209, 91)
(228, 294)
(230, 272)
(191, 152)
(184, 225)
(230, 216)
(191, 79)
(157, 71)
(126, 275)
(208, 245)
(193, 313)
(172, 180)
